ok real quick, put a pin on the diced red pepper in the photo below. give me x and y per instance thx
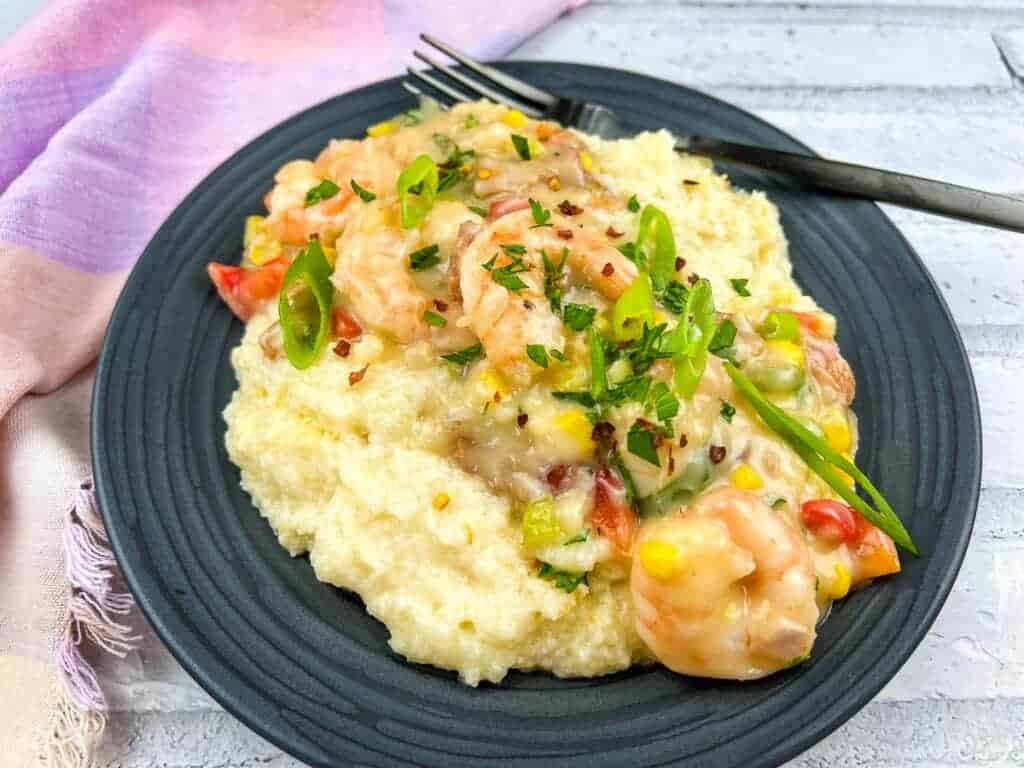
(246, 290)
(344, 326)
(612, 516)
(830, 520)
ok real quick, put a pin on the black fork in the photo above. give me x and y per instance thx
(923, 194)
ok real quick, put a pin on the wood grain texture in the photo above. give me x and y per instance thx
(947, 100)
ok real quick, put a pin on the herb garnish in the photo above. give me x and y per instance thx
(641, 441)
(579, 316)
(522, 145)
(580, 398)
(739, 284)
(514, 249)
(537, 353)
(724, 338)
(507, 276)
(633, 205)
(564, 580)
(557, 354)
(579, 538)
(434, 319)
(364, 194)
(424, 258)
(321, 191)
(540, 214)
(554, 275)
(472, 121)
(727, 411)
(466, 355)
(479, 210)
(666, 404)
(674, 297)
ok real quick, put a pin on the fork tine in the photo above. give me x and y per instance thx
(476, 86)
(520, 88)
(419, 92)
(455, 95)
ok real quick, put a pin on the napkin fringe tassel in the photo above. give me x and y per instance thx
(94, 622)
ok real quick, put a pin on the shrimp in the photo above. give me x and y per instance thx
(829, 367)
(506, 320)
(560, 162)
(372, 269)
(725, 589)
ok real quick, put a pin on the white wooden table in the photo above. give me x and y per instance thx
(925, 86)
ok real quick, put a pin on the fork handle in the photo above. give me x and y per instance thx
(872, 183)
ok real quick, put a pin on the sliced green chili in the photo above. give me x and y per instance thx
(598, 366)
(633, 309)
(656, 230)
(692, 337)
(681, 490)
(417, 190)
(780, 326)
(304, 306)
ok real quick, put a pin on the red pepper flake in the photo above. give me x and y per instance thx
(356, 376)
(342, 348)
(497, 397)
(683, 441)
(565, 234)
(613, 233)
(671, 462)
(556, 476)
(603, 433)
(716, 453)
(569, 209)
(527, 304)
(650, 426)
(608, 270)
(692, 279)
(522, 418)
(680, 263)
(440, 306)
(344, 326)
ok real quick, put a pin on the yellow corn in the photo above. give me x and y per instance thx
(554, 184)
(576, 424)
(784, 296)
(788, 351)
(484, 173)
(746, 478)
(441, 500)
(493, 382)
(514, 118)
(586, 161)
(466, 167)
(836, 427)
(381, 129)
(837, 587)
(263, 251)
(660, 559)
(254, 225)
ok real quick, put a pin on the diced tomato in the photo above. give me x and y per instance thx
(344, 326)
(832, 521)
(874, 555)
(612, 516)
(506, 206)
(246, 290)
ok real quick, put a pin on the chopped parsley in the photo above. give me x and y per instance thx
(443, 143)
(451, 171)
(364, 194)
(557, 355)
(424, 258)
(579, 316)
(652, 345)
(507, 276)
(472, 121)
(641, 442)
(634, 254)
(632, 388)
(434, 319)
(615, 460)
(465, 356)
(514, 249)
(666, 404)
(413, 117)
(739, 284)
(674, 297)
(724, 338)
(633, 205)
(727, 411)
(537, 353)
(321, 191)
(580, 398)
(479, 210)
(579, 538)
(554, 275)
(564, 580)
(522, 145)
(540, 214)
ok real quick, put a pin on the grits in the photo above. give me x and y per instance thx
(510, 425)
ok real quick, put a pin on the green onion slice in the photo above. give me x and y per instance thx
(633, 309)
(692, 337)
(824, 461)
(780, 326)
(421, 175)
(656, 230)
(304, 306)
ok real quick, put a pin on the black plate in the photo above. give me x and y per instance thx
(305, 666)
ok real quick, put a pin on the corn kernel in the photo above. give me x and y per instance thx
(493, 382)
(660, 559)
(514, 119)
(546, 130)
(382, 129)
(788, 351)
(586, 161)
(836, 427)
(576, 424)
(554, 184)
(254, 225)
(484, 173)
(466, 167)
(784, 296)
(441, 500)
(838, 587)
(746, 478)
(263, 251)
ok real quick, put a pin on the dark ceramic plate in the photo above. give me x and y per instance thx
(305, 666)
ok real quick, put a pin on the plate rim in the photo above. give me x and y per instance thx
(797, 742)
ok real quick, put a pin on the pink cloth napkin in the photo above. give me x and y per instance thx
(111, 111)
